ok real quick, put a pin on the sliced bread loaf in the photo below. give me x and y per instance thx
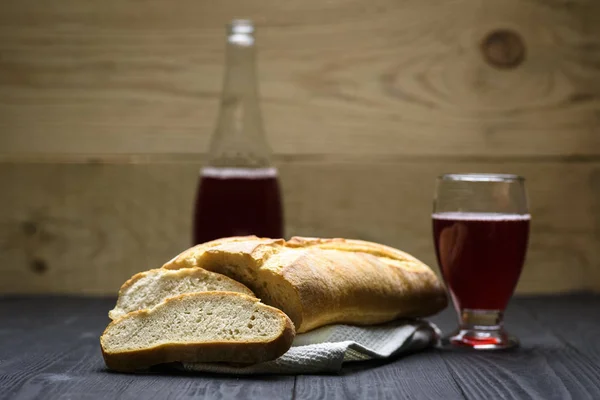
(197, 327)
(147, 289)
(318, 282)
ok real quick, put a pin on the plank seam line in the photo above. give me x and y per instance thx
(294, 387)
(533, 315)
(464, 395)
(187, 158)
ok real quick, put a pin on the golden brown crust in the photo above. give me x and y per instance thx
(353, 246)
(245, 352)
(256, 248)
(323, 281)
(359, 288)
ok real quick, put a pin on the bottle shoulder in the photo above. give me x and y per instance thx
(239, 160)
(239, 172)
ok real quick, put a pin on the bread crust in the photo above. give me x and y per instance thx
(324, 281)
(246, 352)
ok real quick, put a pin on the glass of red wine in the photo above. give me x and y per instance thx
(481, 229)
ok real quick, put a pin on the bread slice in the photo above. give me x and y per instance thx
(324, 281)
(147, 289)
(197, 327)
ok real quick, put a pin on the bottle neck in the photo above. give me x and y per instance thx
(239, 140)
(240, 82)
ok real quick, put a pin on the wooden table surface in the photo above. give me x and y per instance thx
(49, 349)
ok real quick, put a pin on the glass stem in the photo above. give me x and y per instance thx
(481, 320)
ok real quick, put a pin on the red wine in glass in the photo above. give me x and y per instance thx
(480, 230)
(473, 248)
(237, 202)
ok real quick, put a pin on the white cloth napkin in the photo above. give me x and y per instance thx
(326, 349)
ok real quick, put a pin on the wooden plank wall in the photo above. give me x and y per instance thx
(106, 109)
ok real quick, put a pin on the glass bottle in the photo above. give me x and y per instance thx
(238, 192)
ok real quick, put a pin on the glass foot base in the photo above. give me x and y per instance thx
(480, 330)
(480, 340)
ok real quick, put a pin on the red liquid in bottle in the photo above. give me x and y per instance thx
(237, 202)
(481, 256)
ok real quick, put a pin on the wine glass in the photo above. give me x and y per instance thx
(481, 230)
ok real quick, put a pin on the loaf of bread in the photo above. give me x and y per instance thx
(324, 281)
(197, 327)
(147, 289)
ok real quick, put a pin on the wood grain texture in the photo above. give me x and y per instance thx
(86, 228)
(544, 367)
(49, 349)
(337, 77)
(417, 376)
(364, 103)
(575, 327)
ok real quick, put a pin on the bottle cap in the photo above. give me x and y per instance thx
(241, 26)
(241, 32)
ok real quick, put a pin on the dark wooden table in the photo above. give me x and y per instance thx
(49, 349)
